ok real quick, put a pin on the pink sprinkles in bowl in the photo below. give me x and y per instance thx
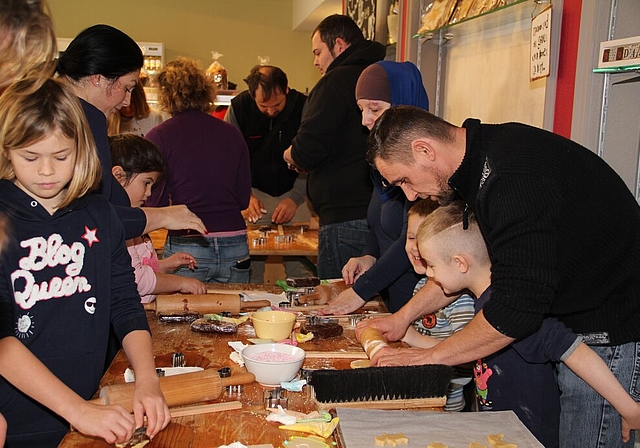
(272, 357)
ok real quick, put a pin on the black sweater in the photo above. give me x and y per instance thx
(331, 141)
(562, 229)
(64, 280)
(133, 219)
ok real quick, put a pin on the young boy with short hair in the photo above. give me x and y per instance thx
(456, 258)
(428, 330)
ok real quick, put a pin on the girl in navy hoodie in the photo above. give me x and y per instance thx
(65, 277)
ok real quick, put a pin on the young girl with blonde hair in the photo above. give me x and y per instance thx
(65, 278)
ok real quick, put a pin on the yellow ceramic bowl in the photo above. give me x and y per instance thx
(276, 325)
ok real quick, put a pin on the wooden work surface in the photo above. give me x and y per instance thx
(304, 241)
(246, 425)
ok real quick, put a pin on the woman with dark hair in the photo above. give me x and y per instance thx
(208, 169)
(103, 64)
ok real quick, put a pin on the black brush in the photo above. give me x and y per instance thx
(381, 383)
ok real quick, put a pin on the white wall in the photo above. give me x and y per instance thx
(485, 70)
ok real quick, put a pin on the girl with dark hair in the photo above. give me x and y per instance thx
(137, 165)
(102, 65)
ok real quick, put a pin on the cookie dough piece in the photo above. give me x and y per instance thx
(437, 445)
(392, 440)
(380, 440)
(212, 326)
(397, 439)
(495, 440)
(477, 445)
(302, 282)
(360, 363)
(141, 444)
(137, 445)
(323, 330)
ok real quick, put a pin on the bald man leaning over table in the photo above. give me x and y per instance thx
(563, 234)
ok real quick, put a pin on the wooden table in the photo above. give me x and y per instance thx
(274, 244)
(283, 240)
(279, 240)
(246, 425)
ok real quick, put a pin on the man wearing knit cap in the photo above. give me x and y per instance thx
(331, 141)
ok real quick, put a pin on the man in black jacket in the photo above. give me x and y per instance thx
(268, 116)
(330, 143)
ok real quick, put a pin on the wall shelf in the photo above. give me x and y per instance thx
(504, 14)
(623, 69)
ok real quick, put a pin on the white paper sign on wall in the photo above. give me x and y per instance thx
(540, 44)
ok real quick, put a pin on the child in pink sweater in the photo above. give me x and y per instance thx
(137, 165)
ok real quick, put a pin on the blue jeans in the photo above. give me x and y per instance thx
(220, 260)
(339, 242)
(586, 421)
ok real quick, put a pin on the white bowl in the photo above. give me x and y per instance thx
(272, 373)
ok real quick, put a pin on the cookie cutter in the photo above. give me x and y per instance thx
(225, 372)
(315, 320)
(293, 294)
(305, 374)
(284, 238)
(275, 397)
(260, 241)
(139, 436)
(355, 318)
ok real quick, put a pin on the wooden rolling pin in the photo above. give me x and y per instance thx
(178, 390)
(203, 303)
(372, 340)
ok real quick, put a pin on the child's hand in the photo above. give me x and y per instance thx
(192, 286)
(149, 401)
(112, 423)
(630, 421)
(179, 259)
